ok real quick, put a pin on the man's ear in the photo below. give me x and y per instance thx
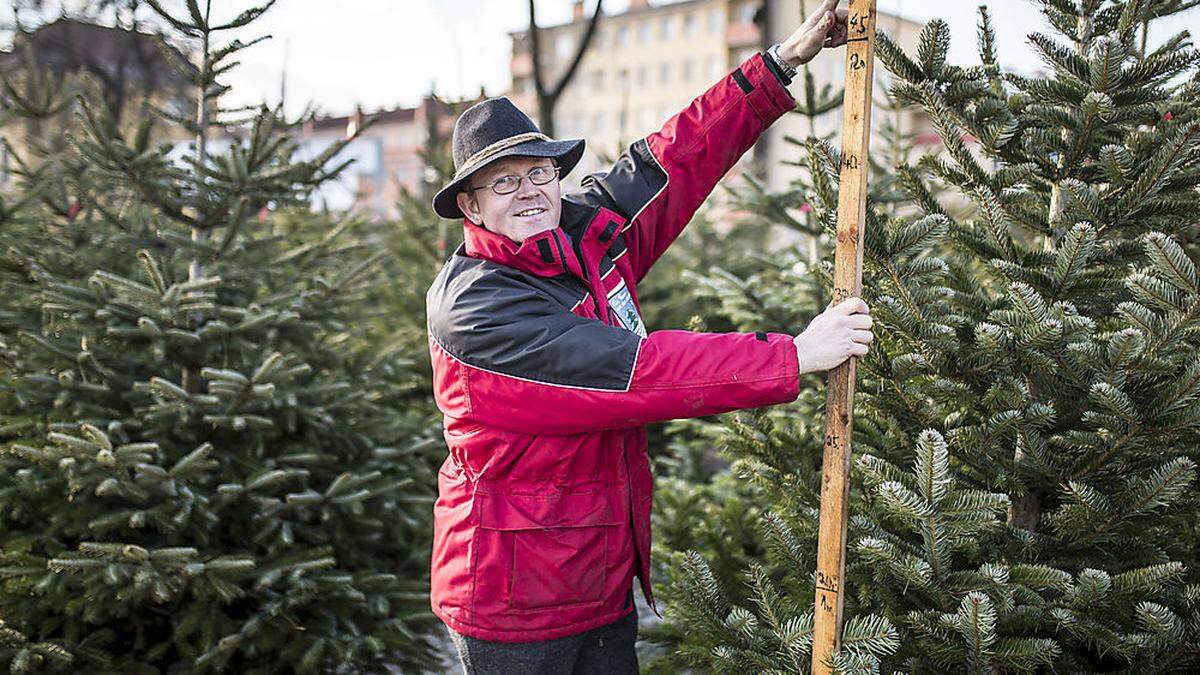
(470, 207)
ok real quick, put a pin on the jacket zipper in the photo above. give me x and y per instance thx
(637, 554)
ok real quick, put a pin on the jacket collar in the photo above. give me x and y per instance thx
(545, 254)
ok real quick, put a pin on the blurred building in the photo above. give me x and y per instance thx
(642, 66)
(647, 63)
(777, 153)
(387, 155)
(128, 70)
(131, 67)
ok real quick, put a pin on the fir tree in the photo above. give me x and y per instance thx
(1027, 420)
(208, 463)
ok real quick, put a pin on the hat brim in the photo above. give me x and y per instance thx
(566, 153)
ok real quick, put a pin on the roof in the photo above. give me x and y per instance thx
(385, 116)
(395, 115)
(656, 8)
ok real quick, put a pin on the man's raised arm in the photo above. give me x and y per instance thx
(660, 181)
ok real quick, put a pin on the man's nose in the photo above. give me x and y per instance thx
(527, 189)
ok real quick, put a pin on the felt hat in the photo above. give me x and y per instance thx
(491, 130)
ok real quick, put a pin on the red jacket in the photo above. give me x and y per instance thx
(546, 377)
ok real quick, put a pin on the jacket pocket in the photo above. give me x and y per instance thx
(556, 546)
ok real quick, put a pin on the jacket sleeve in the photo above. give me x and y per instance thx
(660, 181)
(525, 364)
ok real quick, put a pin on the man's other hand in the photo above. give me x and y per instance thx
(825, 27)
(841, 331)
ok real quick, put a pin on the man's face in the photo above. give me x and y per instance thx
(517, 215)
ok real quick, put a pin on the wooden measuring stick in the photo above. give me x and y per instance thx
(847, 282)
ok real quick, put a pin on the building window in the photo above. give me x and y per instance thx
(647, 121)
(688, 67)
(689, 25)
(622, 79)
(643, 32)
(643, 76)
(746, 12)
(715, 20)
(622, 38)
(667, 27)
(717, 68)
(664, 73)
(598, 80)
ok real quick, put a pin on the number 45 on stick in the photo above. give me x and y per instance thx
(847, 282)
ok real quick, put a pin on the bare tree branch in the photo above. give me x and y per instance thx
(583, 47)
(547, 99)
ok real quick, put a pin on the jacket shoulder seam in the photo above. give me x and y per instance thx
(656, 195)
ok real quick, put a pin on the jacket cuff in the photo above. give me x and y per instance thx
(783, 78)
(789, 368)
(767, 95)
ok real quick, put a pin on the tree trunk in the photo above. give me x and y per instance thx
(547, 97)
(1025, 511)
(190, 378)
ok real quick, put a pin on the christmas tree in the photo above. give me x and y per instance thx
(209, 463)
(1027, 420)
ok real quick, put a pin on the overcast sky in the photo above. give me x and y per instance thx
(391, 52)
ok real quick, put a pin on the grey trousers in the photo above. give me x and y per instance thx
(604, 650)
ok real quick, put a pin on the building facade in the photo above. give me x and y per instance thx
(387, 154)
(776, 153)
(649, 62)
(126, 69)
(642, 66)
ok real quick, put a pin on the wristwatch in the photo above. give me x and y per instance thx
(787, 69)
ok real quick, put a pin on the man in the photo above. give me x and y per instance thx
(546, 375)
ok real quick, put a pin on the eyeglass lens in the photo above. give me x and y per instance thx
(538, 175)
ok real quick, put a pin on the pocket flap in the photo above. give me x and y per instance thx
(536, 512)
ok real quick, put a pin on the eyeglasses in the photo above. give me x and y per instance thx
(506, 185)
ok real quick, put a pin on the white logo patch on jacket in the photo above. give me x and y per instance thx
(622, 305)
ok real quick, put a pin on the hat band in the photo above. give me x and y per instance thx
(500, 146)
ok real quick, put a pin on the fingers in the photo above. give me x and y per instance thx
(819, 13)
(852, 305)
(857, 349)
(819, 21)
(827, 6)
(837, 31)
(835, 41)
(860, 321)
(840, 30)
(865, 337)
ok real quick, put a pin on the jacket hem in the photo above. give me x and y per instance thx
(529, 635)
